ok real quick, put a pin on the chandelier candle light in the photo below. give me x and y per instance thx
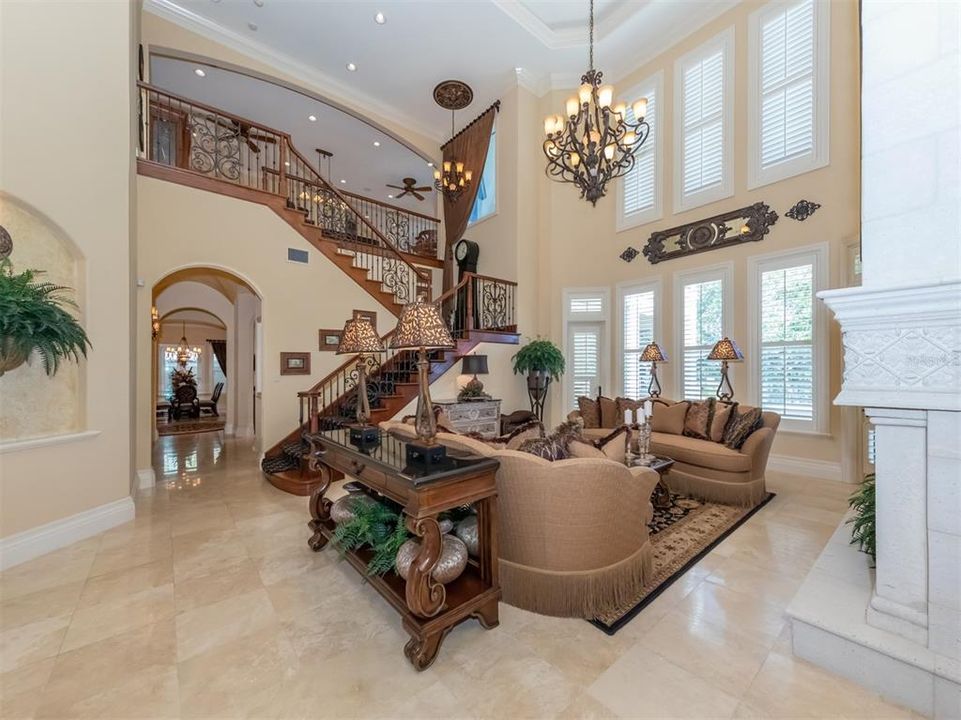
(183, 353)
(360, 337)
(725, 350)
(597, 141)
(453, 179)
(420, 327)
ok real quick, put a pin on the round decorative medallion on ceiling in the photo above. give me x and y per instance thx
(6, 243)
(453, 95)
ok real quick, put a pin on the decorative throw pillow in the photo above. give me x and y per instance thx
(512, 440)
(722, 416)
(741, 426)
(609, 417)
(614, 446)
(555, 445)
(590, 411)
(669, 418)
(623, 404)
(583, 449)
(697, 422)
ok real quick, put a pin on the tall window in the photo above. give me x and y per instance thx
(704, 102)
(788, 113)
(704, 303)
(585, 340)
(639, 199)
(638, 305)
(785, 339)
(486, 202)
(167, 366)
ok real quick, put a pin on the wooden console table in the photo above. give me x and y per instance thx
(429, 610)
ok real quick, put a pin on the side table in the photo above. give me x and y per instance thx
(661, 497)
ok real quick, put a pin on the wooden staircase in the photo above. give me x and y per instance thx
(388, 251)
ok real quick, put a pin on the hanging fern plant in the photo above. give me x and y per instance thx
(863, 522)
(33, 318)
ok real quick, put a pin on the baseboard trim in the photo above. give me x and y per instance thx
(146, 478)
(229, 429)
(30, 544)
(820, 469)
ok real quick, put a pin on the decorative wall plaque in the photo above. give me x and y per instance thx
(802, 210)
(748, 224)
(629, 254)
(6, 243)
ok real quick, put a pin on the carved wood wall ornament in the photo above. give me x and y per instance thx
(748, 224)
(802, 210)
(629, 254)
(6, 243)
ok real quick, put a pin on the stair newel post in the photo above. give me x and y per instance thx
(314, 411)
(469, 320)
(282, 189)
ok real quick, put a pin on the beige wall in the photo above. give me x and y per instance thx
(297, 300)
(75, 60)
(580, 244)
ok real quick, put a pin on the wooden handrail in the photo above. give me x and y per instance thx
(209, 108)
(453, 291)
(492, 279)
(337, 371)
(360, 216)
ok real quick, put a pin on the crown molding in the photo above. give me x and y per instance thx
(339, 93)
(559, 38)
(532, 82)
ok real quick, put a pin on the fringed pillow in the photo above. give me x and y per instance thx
(554, 446)
(614, 446)
(697, 422)
(590, 411)
(511, 441)
(741, 426)
(722, 417)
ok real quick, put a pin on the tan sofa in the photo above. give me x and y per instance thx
(572, 534)
(707, 469)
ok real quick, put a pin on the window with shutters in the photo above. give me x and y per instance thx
(585, 341)
(704, 123)
(787, 343)
(639, 196)
(703, 302)
(788, 112)
(638, 326)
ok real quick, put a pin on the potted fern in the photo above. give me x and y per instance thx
(543, 362)
(34, 318)
(863, 523)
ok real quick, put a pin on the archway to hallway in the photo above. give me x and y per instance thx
(203, 378)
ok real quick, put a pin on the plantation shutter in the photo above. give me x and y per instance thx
(787, 83)
(703, 326)
(787, 342)
(638, 329)
(702, 96)
(639, 186)
(584, 354)
(587, 304)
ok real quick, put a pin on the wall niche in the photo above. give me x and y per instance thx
(33, 405)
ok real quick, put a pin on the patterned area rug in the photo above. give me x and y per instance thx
(184, 427)
(681, 535)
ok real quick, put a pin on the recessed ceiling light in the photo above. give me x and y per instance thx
(252, 26)
(351, 67)
(430, 164)
(379, 18)
(343, 182)
(391, 197)
(312, 118)
(286, 163)
(199, 72)
(259, 3)
(376, 143)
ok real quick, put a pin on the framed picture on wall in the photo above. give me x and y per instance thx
(330, 339)
(295, 363)
(369, 315)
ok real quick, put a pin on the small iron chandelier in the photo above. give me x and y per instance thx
(183, 353)
(452, 178)
(597, 142)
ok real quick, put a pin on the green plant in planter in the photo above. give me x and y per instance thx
(540, 356)
(33, 318)
(863, 522)
(378, 526)
(182, 376)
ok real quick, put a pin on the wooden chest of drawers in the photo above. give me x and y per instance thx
(480, 416)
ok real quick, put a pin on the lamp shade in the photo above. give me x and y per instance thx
(653, 353)
(420, 326)
(359, 336)
(474, 365)
(726, 349)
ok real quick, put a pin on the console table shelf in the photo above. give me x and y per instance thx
(428, 609)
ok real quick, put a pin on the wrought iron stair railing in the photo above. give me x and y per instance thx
(223, 147)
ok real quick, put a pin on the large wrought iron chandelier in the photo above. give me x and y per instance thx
(452, 178)
(597, 142)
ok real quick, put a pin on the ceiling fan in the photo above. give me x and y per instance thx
(250, 135)
(410, 189)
